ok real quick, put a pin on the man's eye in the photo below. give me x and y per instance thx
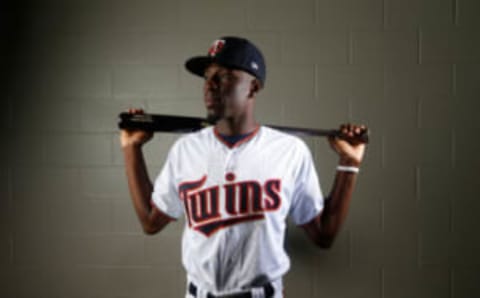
(225, 77)
(219, 77)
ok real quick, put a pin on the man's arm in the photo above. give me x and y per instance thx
(141, 188)
(324, 228)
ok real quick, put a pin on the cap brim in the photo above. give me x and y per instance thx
(197, 65)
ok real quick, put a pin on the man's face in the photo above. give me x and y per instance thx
(226, 91)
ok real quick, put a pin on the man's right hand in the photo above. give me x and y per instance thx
(134, 137)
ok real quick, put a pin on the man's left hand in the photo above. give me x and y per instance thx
(349, 145)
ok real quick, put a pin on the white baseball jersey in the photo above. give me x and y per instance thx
(235, 200)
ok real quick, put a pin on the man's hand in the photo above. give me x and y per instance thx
(350, 148)
(134, 137)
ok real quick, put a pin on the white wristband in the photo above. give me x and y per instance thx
(348, 169)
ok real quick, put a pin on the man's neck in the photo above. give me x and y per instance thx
(236, 126)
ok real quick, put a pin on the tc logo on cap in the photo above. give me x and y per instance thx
(216, 47)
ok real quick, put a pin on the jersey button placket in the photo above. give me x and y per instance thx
(230, 161)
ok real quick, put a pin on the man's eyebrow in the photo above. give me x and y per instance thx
(222, 71)
(207, 73)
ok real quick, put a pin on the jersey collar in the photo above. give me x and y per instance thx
(238, 143)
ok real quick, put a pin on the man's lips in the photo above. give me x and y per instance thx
(211, 100)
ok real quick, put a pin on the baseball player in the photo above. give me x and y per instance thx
(237, 181)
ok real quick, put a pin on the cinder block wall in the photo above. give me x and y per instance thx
(407, 68)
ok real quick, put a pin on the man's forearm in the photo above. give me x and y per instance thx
(138, 181)
(337, 204)
(324, 228)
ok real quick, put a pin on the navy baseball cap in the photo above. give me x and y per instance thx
(231, 52)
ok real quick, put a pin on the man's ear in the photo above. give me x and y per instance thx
(255, 87)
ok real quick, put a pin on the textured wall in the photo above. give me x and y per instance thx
(407, 68)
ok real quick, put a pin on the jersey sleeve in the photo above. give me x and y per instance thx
(307, 198)
(165, 193)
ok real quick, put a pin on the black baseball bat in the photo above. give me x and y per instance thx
(183, 124)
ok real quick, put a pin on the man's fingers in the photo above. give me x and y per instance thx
(352, 133)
